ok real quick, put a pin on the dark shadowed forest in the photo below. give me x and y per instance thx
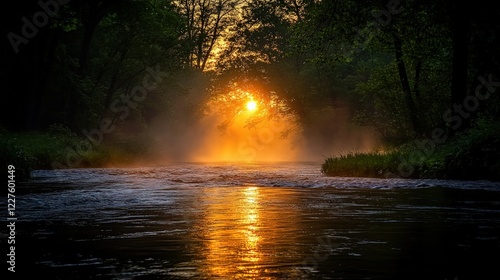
(384, 88)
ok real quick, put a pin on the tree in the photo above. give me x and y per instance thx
(205, 22)
(89, 52)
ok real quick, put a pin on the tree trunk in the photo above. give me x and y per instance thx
(405, 84)
(96, 12)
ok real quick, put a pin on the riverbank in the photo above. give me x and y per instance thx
(58, 148)
(471, 155)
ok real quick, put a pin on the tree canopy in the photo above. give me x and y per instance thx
(404, 67)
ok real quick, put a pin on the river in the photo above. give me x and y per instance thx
(253, 221)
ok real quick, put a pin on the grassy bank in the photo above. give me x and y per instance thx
(471, 155)
(40, 150)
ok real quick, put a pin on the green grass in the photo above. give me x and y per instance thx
(27, 151)
(374, 164)
(40, 150)
(471, 155)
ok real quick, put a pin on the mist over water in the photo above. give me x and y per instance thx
(242, 137)
(331, 131)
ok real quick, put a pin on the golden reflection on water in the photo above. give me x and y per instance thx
(243, 233)
(249, 224)
(233, 235)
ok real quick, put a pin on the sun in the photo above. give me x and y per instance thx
(251, 105)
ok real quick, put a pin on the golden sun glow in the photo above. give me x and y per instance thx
(251, 105)
(249, 125)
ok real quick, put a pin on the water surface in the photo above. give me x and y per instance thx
(253, 221)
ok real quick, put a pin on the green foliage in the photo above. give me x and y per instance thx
(39, 150)
(305, 55)
(474, 154)
(471, 155)
(377, 165)
(12, 154)
(383, 105)
(27, 151)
